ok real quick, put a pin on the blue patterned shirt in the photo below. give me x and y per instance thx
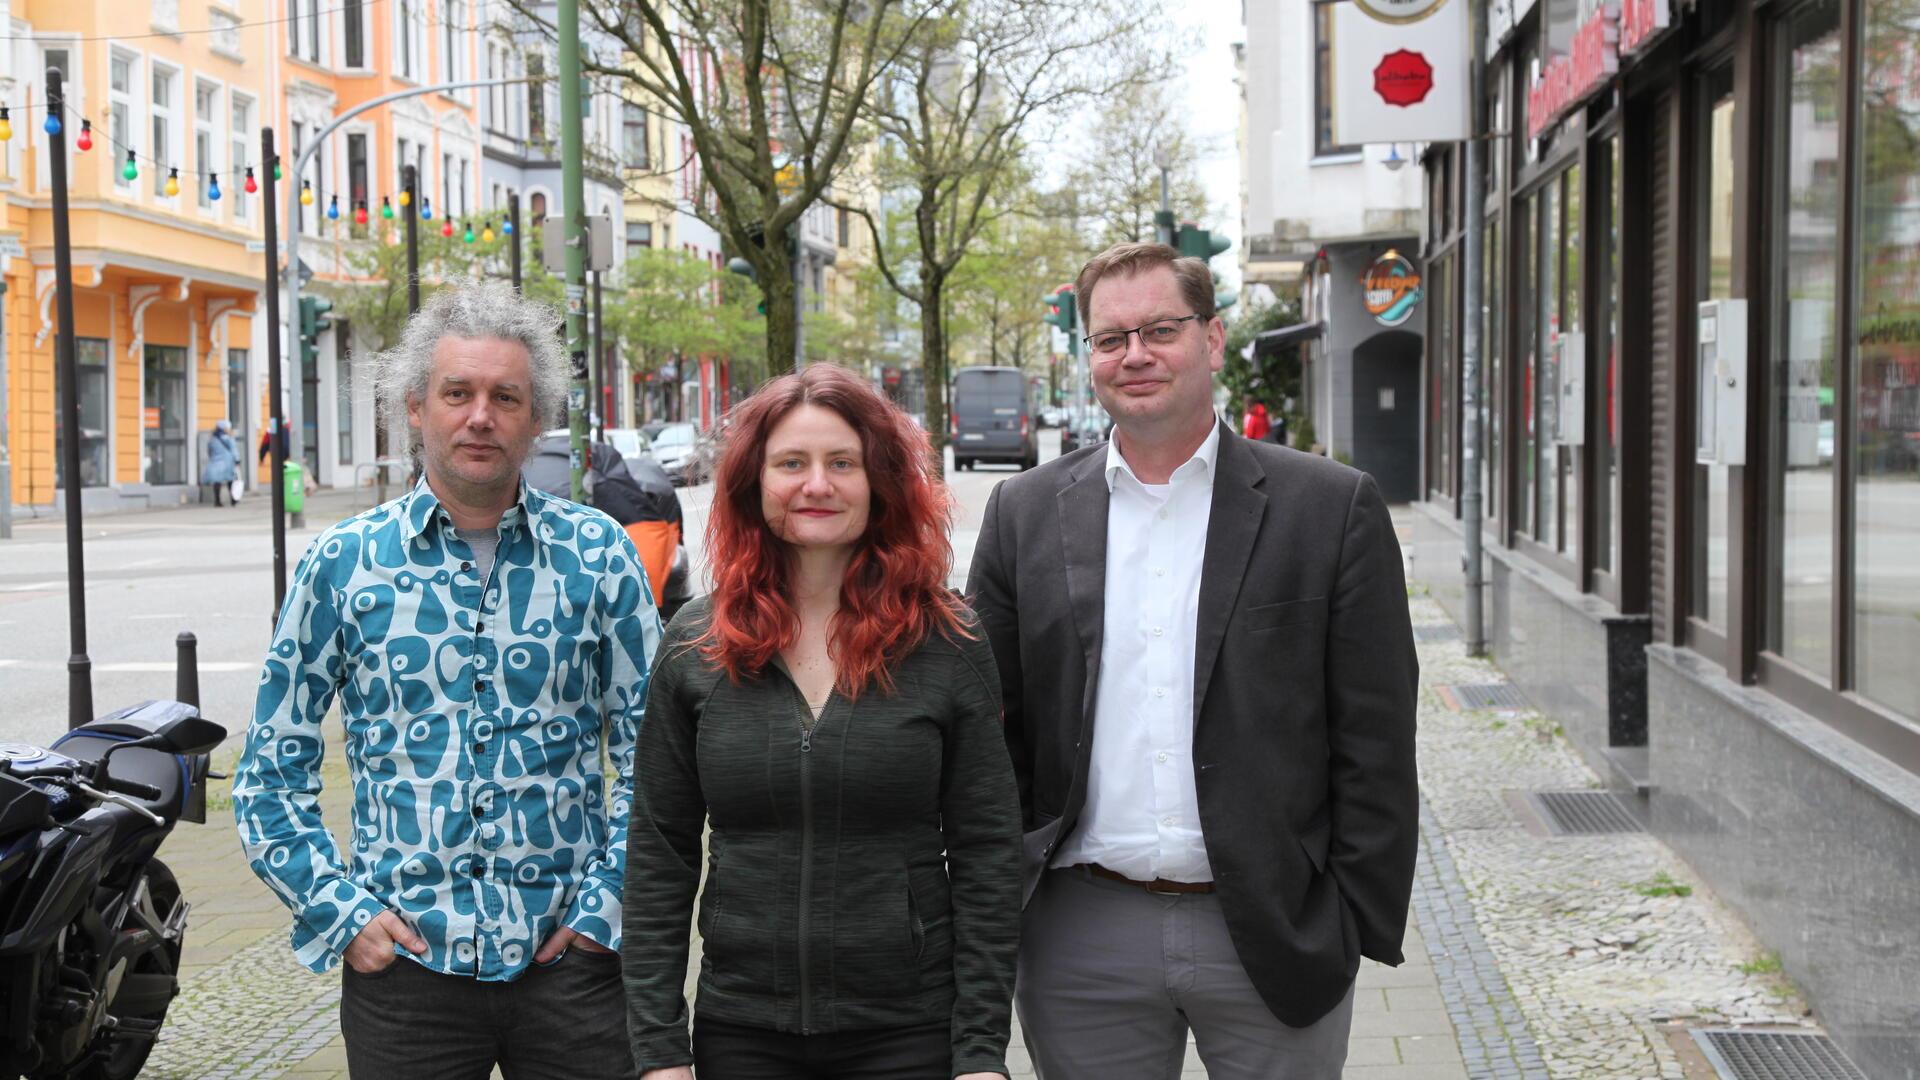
(476, 714)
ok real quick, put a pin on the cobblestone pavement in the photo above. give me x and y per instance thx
(1529, 956)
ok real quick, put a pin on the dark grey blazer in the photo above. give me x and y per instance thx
(1305, 681)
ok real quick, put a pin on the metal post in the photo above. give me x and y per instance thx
(600, 403)
(1471, 341)
(79, 666)
(513, 245)
(186, 669)
(573, 201)
(277, 420)
(6, 461)
(410, 178)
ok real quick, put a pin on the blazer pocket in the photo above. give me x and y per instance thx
(1290, 613)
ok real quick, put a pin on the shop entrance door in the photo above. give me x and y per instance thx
(164, 424)
(1386, 413)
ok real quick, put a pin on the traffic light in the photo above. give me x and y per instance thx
(1202, 244)
(1060, 310)
(313, 323)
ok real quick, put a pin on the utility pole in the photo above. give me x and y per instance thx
(513, 245)
(410, 181)
(601, 406)
(79, 665)
(277, 420)
(573, 200)
(1471, 338)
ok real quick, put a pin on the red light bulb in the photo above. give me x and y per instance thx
(252, 184)
(360, 214)
(85, 141)
(446, 229)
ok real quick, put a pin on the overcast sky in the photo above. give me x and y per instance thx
(1213, 99)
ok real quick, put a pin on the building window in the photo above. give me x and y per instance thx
(536, 97)
(634, 128)
(639, 237)
(304, 29)
(164, 110)
(451, 23)
(1323, 144)
(406, 38)
(1713, 281)
(164, 420)
(845, 226)
(239, 133)
(343, 403)
(446, 184)
(1493, 344)
(353, 32)
(1606, 440)
(1885, 367)
(357, 177)
(1806, 236)
(492, 115)
(465, 209)
(1570, 359)
(537, 207)
(120, 76)
(1526, 420)
(91, 353)
(1546, 393)
(237, 392)
(206, 106)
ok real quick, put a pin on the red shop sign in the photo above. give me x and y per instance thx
(1640, 20)
(1403, 78)
(1572, 78)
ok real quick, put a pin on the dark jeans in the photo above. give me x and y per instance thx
(724, 1051)
(566, 1020)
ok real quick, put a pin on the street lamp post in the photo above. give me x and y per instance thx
(79, 665)
(411, 180)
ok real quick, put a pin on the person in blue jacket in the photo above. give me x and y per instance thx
(223, 460)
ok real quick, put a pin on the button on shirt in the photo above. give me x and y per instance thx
(1142, 814)
(477, 713)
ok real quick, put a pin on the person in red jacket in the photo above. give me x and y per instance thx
(1254, 423)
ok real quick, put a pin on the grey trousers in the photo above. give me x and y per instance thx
(565, 1020)
(1112, 978)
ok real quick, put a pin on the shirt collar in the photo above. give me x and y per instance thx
(1207, 455)
(421, 510)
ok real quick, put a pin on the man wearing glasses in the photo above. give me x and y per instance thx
(1217, 772)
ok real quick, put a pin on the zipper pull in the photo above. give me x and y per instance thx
(806, 741)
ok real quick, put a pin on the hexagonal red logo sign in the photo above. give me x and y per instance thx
(1403, 77)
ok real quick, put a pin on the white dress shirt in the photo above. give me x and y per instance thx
(1142, 814)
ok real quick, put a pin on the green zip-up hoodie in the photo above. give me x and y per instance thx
(863, 873)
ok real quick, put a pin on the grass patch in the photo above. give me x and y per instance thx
(1498, 724)
(1767, 963)
(1663, 884)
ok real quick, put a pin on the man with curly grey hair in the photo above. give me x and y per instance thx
(489, 647)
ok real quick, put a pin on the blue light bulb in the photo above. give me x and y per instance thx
(52, 125)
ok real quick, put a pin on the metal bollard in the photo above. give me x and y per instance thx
(186, 674)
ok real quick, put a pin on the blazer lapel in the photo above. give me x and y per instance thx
(1083, 551)
(1234, 521)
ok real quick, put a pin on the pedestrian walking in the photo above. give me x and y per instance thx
(223, 462)
(1210, 685)
(489, 648)
(1254, 420)
(832, 713)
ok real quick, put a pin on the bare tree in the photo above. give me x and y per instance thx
(1117, 182)
(953, 118)
(770, 94)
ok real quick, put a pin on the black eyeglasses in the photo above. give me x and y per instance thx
(1153, 335)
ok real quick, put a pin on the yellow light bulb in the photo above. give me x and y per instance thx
(173, 187)
(486, 235)
(406, 197)
(306, 196)
(6, 130)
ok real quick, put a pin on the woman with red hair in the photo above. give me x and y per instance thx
(832, 715)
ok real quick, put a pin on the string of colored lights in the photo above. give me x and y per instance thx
(131, 172)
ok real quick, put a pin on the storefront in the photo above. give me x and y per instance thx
(1700, 397)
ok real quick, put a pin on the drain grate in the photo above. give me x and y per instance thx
(1583, 813)
(1775, 1055)
(1484, 696)
(1445, 631)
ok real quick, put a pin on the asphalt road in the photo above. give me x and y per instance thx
(209, 570)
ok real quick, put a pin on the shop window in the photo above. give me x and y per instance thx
(91, 353)
(1570, 363)
(1885, 362)
(1323, 144)
(1604, 441)
(1806, 238)
(1546, 389)
(1526, 286)
(1713, 280)
(1441, 383)
(1493, 347)
(343, 403)
(237, 391)
(163, 419)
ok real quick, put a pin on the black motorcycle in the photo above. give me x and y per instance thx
(91, 922)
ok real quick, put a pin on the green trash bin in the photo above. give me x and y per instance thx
(296, 481)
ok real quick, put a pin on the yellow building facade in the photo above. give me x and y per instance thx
(167, 276)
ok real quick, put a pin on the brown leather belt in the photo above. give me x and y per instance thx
(1157, 885)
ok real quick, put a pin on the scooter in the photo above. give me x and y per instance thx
(91, 922)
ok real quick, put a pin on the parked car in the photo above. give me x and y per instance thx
(1052, 416)
(651, 429)
(991, 418)
(684, 453)
(631, 442)
(1088, 430)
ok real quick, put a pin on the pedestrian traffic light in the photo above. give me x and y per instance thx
(1203, 244)
(313, 318)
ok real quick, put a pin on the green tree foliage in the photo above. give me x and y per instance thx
(1273, 379)
(666, 305)
(1117, 184)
